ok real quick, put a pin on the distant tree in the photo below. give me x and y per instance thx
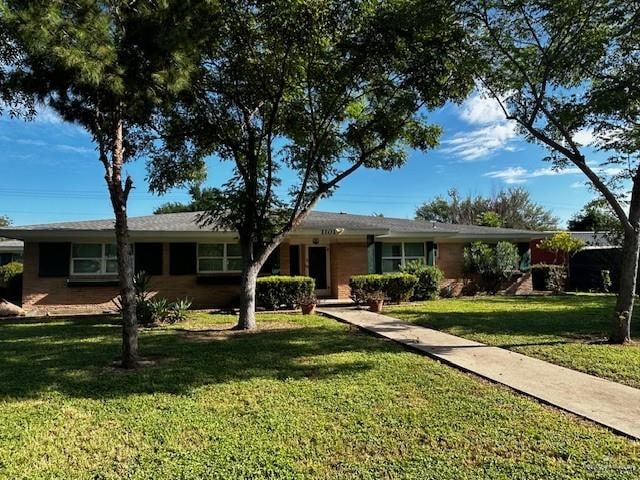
(563, 70)
(489, 219)
(201, 199)
(597, 216)
(513, 208)
(319, 89)
(105, 65)
(4, 221)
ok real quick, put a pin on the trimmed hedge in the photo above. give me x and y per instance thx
(280, 291)
(398, 287)
(549, 277)
(429, 278)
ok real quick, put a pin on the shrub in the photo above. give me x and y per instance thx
(178, 310)
(11, 282)
(447, 291)
(282, 291)
(492, 264)
(549, 277)
(362, 286)
(429, 279)
(159, 309)
(470, 289)
(141, 285)
(398, 287)
(10, 271)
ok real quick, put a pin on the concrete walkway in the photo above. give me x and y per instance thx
(607, 403)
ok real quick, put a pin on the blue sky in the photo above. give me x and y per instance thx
(50, 172)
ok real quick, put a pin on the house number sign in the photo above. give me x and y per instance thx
(331, 231)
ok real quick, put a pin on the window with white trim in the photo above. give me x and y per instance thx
(219, 257)
(94, 259)
(396, 254)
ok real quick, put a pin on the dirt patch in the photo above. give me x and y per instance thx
(225, 331)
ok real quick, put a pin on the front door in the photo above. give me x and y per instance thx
(318, 268)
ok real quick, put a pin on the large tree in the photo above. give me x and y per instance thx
(597, 216)
(511, 208)
(4, 221)
(105, 65)
(201, 199)
(314, 91)
(564, 70)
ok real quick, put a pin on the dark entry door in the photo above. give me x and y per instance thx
(318, 266)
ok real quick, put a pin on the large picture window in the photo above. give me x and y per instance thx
(94, 259)
(219, 257)
(396, 254)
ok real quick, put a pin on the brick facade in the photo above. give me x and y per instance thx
(53, 295)
(450, 260)
(346, 259)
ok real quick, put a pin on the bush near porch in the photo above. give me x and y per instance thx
(281, 291)
(397, 287)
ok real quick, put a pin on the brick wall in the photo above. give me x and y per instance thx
(52, 295)
(346, 259)
(450, 259)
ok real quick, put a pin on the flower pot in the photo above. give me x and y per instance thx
(308, 309)
(375, 305)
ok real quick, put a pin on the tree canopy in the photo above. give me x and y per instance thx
(597, 216)
(298, 95)
(511, 208)
(4, 221)
(563, 71)
(106, 65)
(201, 199)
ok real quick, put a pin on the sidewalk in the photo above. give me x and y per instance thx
(607, 403)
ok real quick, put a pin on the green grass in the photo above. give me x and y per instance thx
(567, 330)
(304, 397)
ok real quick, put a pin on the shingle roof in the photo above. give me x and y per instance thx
(188, 222)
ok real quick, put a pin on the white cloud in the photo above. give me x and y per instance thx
(482, 110)
(513, 175)
(482, 142)
(585, 137)
(45, 114)
(510, 175)
(491, 131)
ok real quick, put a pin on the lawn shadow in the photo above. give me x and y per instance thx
(76, 358)
(566, 317)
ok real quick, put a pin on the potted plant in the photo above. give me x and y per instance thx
(307, 303)
(375, 300)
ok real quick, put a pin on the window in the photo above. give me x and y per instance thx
(93, 259)
(219, 257)
(396, 254)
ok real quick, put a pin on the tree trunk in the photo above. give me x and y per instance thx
(247, 317)
(252, 262)
(119, 194)
(621, 328)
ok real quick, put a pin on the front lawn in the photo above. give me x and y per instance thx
(568, 330)
(305, 397)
